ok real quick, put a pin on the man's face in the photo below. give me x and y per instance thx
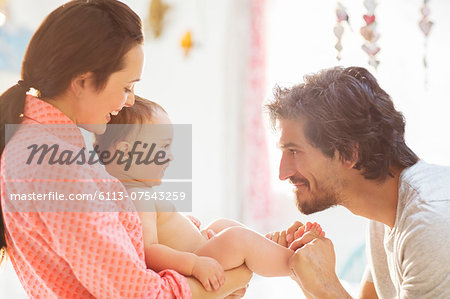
(315, 176)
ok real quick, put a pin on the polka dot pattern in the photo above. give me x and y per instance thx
(96, 251)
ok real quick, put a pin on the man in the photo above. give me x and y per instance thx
(342, 143)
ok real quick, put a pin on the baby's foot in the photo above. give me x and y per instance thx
(315, 228)
(312, 231)
(309, 227)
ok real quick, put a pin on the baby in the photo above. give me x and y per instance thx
(171, 240)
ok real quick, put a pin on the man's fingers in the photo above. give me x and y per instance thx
(282, 240)
(291, 230)
(301, 230)
(275, 236)
(194, 220)
(207, 233)
(294, 227)
(305, 239)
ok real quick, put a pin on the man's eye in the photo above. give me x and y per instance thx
(127, 90)
(293, 152)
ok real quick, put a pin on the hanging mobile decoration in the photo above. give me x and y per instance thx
(425, 25)
(186, 42)
(157, 12)
(370, 34)
(342, 16)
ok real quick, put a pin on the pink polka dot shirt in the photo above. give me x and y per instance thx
(91, 250)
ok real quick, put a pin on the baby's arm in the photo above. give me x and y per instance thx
(207, 270)
(159, 257)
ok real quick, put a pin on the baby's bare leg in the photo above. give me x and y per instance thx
(220, 224)
(237, 245)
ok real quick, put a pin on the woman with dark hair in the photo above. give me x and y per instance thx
(82, 64)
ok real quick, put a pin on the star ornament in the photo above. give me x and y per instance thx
(186, 42)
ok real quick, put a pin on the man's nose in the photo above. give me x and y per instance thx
(287, 168)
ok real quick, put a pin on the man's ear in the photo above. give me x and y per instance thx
(350, 163)
(79, 84)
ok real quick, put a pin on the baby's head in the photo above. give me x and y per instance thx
(143, 128)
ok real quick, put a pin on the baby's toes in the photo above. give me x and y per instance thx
(315, 229)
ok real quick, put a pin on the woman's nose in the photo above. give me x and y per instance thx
(130, 100)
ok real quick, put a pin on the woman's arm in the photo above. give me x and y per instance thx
(207, 270)
(236, 278)
(99, 243)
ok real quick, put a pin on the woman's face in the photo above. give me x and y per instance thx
(96, 107)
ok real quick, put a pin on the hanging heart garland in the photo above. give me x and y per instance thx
(370, 34)
(425, 25)
(341, 17)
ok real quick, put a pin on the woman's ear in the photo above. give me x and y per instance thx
(123, 146)
(79, 84)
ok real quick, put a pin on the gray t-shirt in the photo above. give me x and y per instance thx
(413, 259)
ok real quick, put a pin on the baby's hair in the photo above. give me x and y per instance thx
(141, 112)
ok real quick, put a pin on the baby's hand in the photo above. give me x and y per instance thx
(209, 272)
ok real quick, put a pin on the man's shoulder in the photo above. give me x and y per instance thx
(424, 184)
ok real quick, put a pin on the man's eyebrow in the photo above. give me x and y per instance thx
(135, 80)
(287, 145)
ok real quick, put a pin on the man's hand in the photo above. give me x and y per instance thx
(194, 220)
(206, 233)
(209, 272)
(313, 267)
(295, 231)
(286, 236)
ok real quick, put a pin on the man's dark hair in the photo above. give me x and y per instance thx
(345, 109)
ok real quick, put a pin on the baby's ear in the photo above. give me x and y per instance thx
(123, 146)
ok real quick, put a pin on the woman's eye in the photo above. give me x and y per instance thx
(293, 152)
(127, 90)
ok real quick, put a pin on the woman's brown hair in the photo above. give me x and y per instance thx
(78, 37)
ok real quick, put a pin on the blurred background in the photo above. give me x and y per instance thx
(213, 64)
